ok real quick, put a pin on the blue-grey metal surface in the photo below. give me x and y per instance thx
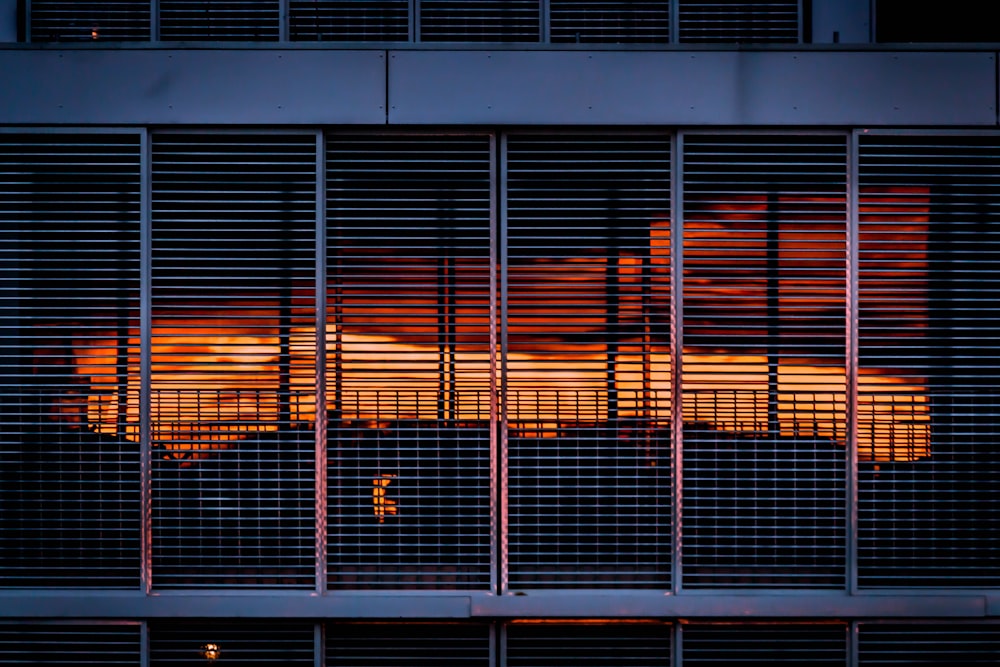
(692, 88)
(8, 21)
(841, 21)
(607, 604)
(232, 87)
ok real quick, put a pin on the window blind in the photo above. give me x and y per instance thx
(349, 20)
(587, 360)
(219, 21)
(718, 21)
(69, 319)
(233, 359)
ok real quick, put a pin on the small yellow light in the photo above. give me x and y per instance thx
(95, 33)
(211, 652)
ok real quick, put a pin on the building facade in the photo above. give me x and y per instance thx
(498, 333)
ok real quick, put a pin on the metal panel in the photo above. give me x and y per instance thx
(587, 392)
(74, 21)
(764, 645)
(929, 360)
(147, 86)
(735, 21)
(593, 644)
(69, 644)
(349, 20)
(609, 21)
(233, 359)
(219, 20)
(698, 88)
(408, 230)
(933, 644)
(69, 317)
(405, 644)
(764, 367)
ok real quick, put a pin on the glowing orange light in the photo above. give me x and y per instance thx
(383, 505)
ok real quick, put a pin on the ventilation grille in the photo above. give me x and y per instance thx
(69, 644)
(939, 644)
(764, 378)
(349, 20)
(274, 644)
(479, 20)
(408, 377)
(219, 21)
(69, 315)
(588, 645)
(233, 359)
(929, 346)
(715, 21)
(609, 21)
(588, 244)
(760, 645)
(116, 20)
(406, 644)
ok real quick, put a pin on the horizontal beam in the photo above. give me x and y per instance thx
(619, 604)
(321, 87)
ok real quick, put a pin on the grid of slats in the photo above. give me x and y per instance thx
(75, 21)
(764, 360)
(593, 644)
(233, 359)
(587, 360)
(764, 645)
(69, 644)
(219, 20)
(738, 21)
(406, 644)
(254, 643)
(937, 644)
(929, 356)
(349, 20)
(609, 21)
(479, 20)
(408, 360)
(69, 311)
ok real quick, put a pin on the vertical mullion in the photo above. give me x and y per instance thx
(321, 416)
(800, 13)
(27, 21)
(144, 644)
(851, 370)
(498, 251)
(154, 20)
(319, 646)
(145, 361)
(283, 20)
(852, 644)
(676, 350)
(674, 21)
(545, 18)
(414, 22)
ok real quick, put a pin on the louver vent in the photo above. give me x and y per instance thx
(929, 354)
(233, 359)
(587, 360)
(764, 645)
(69, 318)
(349, 20)
(737, 21)
(609, 21)
(70, 645)
(930, 645)
(764, 365)
(588, 645)
(116, 20)
(406, 644)
(274, 644)
(408, 374)
(219, 21)
(479, 20)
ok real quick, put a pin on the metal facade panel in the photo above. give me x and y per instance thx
(692, 88)
(235, 87)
